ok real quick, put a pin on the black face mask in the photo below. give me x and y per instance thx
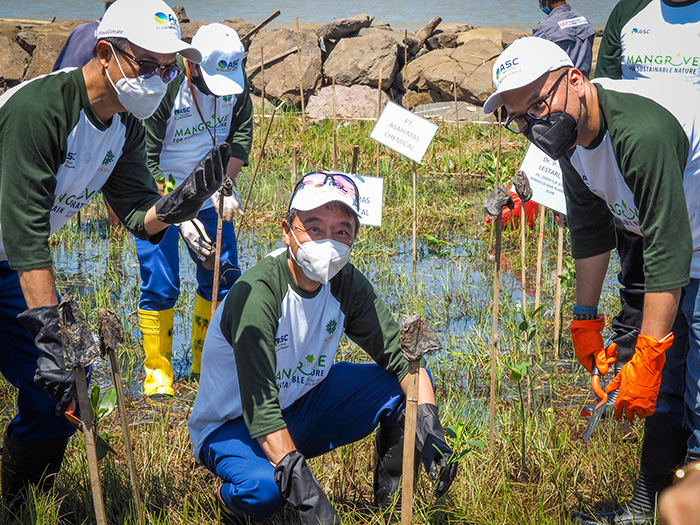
(554, 134)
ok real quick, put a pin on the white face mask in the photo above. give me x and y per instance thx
(320, 260)
(139, 96)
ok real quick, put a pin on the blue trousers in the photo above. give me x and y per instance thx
(344, 408)
(160, 265)
(688, 380)
(36, 417)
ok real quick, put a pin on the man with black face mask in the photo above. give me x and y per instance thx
(634, 158)
(270, 394)
(208, 105)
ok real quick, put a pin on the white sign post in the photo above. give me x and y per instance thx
(545, 178)
(404, 132)
(371, 191)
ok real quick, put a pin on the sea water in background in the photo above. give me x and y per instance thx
(405, 14)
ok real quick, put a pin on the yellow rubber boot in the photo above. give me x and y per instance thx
(157, 332)
(201, 313)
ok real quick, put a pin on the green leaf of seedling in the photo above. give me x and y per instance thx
(523, 325)
(108, 403)
(95, 398)
(455, 431)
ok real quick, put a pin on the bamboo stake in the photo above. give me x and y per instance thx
(262, 92)
(217, 258)
(262, 24)
(415, 216)
(540, 242)
(523, 255)
(253, 69)
(557, 298)
(379, 110)
(355, 154)
(301, 73)
(294, 167)
(496, 293)
(335, 135)
(459, 142)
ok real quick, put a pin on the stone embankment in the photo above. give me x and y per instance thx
(435, 63)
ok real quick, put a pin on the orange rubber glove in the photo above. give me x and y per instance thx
(640, 378)
(588, 344)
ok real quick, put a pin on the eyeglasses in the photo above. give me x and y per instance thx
(147, 69)
(538, 109)
(338, 180)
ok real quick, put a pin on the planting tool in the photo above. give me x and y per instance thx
(417, 339)
(111, 335)
(605, 401)
(77, 423)
(80, 351)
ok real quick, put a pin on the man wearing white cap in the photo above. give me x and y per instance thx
(269, 394)
(629, 152)
(65, 136)
(208, 105)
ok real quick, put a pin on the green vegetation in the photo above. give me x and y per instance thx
(539, 469)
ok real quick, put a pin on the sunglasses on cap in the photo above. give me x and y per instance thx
(146, 68)
(338, 180)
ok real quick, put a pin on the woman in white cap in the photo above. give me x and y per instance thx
(208, 105)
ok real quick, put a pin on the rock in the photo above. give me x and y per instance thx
(416, 43)
(359, 60)
(344, 27)
(282, 76)
(446, 111)
(453, 27)
(466, 68)
(27, 40)
(412, 99)
(47, 49)
(502, 37)
(396, 36)
(181, 14)
(350, 102)
(188, 30)
(441, 40)
(12, 62)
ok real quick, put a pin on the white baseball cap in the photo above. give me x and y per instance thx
(523, 62)
(222, 59)
(319, 188)
(149, 24)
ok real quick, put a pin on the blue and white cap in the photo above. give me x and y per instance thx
(149, 24)
(222, 59)
(522, 63)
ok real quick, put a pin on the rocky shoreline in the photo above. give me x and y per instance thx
(436, 63)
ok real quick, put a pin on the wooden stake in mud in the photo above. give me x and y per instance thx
(111, 334)
(225, 191)
(301, 73)
(379, 110)
(496, 294)
(257, 28)
(80, 351)
(415, 217)
(335, 136)
(459, 142)
(294, 167)
(257, 165)
(540, 242)
(417, 338)
(262, 91)
(355, 153)
(557, 296)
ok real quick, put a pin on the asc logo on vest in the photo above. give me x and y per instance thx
(182, 112)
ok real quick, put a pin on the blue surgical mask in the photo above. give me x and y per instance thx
(545, 8)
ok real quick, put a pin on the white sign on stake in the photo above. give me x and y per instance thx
(371, 198)
(545, 178)
(404, 132)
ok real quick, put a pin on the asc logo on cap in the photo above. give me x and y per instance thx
(162, 18)
(228, 66)
(503, 68)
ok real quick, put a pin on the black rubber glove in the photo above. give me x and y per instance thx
(299, 487)
(51, 374)
(183, 203)
(430, 442)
